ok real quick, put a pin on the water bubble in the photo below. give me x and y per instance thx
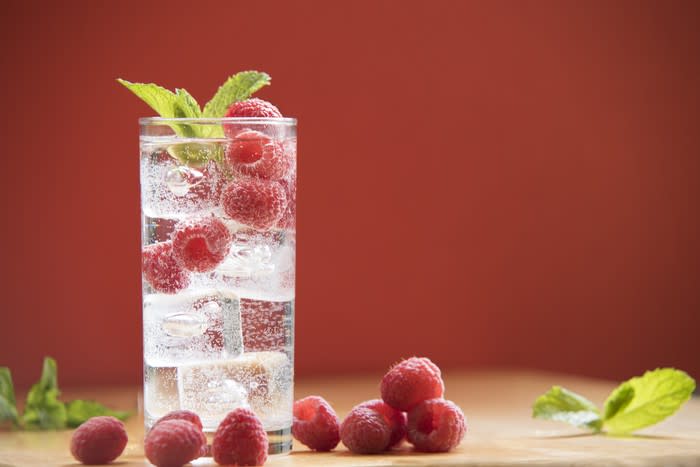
(181, 178)
(184, 325)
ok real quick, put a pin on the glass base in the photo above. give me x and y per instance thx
(280, 441)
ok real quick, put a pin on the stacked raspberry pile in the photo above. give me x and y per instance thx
(412, 407)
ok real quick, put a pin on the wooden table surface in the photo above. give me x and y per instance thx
(500, 431)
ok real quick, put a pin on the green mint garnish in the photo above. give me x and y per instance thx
(168, 104)
(8, 404)
(196, 154)
(238, 87)
(163, 101)
(187, 106)
(655, 395)
(181, 104)
(618, 400)
(562, 405)
(637, 403)
(79, 411)
(43, 409)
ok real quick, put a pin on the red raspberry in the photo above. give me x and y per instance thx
(249, 108)
(99, 440)
(395, 419)
(316, 424)
(181, 415)
(253, 202)
(173, 443)
(364, 431)
(253, 108)
(436, 425)
(189, 416)
(255, 154)
(161, 270)
(410, 382)
(200, 245)
(240, 439)
(289, 216)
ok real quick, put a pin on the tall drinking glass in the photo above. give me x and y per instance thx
(218, 211)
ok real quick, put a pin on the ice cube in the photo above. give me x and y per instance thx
(160, 392)
(172, 190)
(251, 254)
(207, 391)
(191, 326)
(260, 265)
(214, 387)
(264, 325)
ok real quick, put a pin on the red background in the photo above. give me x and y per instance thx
(487, 184)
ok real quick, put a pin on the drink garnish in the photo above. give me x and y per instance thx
(43, 410)
(636, 403)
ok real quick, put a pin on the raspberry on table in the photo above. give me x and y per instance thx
(173, 443)
(189, 416)
(161, 270)
(240, 440)
(436, 425)
(254, 202)
(395, 419)
(364, 431)
(316, 424)
(181, 415)
(253, 107)
(410, 382)
(201, 244)
(99, 440)
(255, 154)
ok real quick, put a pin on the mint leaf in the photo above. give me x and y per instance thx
(162, 100)
(196, 154)
(618, 400)
(78, 411)
(237, 88)
(562, 405)
(656, 395)
(186, 105)
(8, 404)
(168, 104)
(43, 410)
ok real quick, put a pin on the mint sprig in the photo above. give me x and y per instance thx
(43, 410)
(562, 405)
(635, 404)
(181, 104)
(8, 405)
(78, 411)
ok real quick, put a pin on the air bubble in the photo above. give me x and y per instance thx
(184, 325)
(181, 178)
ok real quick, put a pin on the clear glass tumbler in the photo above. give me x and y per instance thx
(218, 211)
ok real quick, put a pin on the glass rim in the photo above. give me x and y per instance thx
(216, 121)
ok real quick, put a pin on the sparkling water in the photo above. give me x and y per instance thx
(226, 339)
